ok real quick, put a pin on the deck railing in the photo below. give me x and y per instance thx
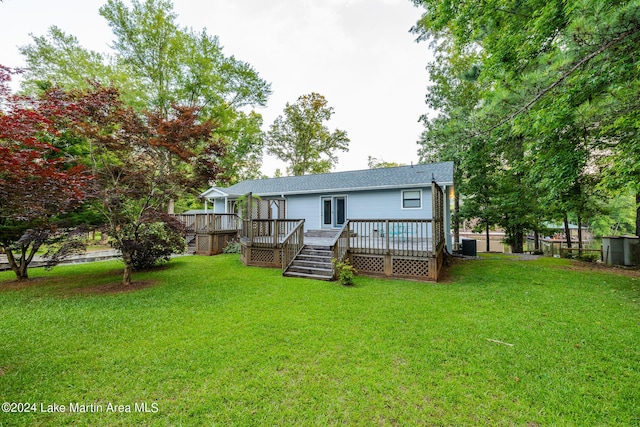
(267, 233)
(292, 245)
(209, 222)
(340, 245)
(407, 237)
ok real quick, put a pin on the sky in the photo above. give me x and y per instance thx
(359, 54)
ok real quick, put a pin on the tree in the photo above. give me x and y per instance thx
(559, 84)
(374, 163)
(39, 186)
(456, 94)
(157, 64)
(301, 139)
(140, 162)
(479, 182)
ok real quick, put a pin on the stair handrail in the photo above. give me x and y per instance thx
(292, 245)
(340, 246)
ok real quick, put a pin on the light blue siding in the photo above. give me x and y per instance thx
(305, 207)
(386, 204)
(375, 204)
(219, 206)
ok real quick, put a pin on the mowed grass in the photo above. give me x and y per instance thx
(212, 342)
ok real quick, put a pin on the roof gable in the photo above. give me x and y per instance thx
(368, 179)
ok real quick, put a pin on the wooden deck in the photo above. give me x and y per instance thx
(392, 247)
(414, 246)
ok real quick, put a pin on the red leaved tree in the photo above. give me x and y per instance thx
(139, 162)
(38, 184)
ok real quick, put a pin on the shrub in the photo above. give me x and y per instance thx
(346, 271)
(232, 247)
(585, 256)
(152, 244)
(589, 257)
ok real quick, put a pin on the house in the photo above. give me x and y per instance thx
(388, 215)
(326, 201)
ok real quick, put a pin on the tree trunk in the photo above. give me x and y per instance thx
(638, 214)
(518, 241)
(536, 237)
(567, 230)
(128, 268)
(579, 235)
(487, 235)
(19, 268)
(126, 277)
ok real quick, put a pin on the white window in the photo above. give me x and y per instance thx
(411, 199)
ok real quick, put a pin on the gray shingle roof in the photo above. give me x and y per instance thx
(369, 179)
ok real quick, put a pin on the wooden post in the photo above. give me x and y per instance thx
(386, 225)
(274, 231)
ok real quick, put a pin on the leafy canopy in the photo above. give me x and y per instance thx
(139, 162)
(302, 140)
(40, 186)
(551, 86)
(157, 64)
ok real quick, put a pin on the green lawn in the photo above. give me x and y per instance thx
(212, 342)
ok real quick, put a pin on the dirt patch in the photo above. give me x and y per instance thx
(3, 370)
(59, 287)
(592, 266)
(111, 288)
(17, 285)
(445, 272)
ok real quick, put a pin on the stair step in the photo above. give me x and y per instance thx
(313, 256)
(313, 262)
(321, 233)
(307, 276)
(307, 268)
(317, 252)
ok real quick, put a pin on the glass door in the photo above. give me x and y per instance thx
(327, 216)
(334, 212)
(340, 208)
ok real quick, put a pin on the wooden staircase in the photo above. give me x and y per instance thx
(191, 243)
(313, 262)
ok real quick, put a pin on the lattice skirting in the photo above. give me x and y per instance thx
(410, 267)
(203, 243)
(213, 243)
(262, 256)
(368, 264)
(393, 266)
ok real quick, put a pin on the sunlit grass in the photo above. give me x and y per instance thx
(210, 341)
